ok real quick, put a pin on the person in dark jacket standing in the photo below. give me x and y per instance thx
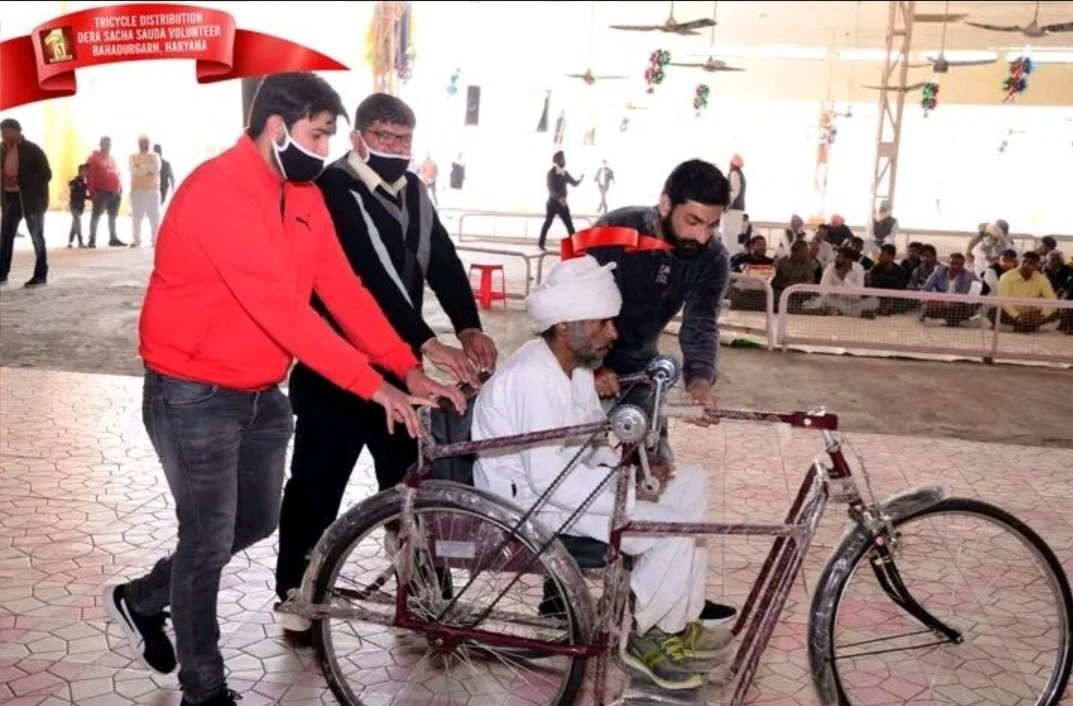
(79, 192)
(167, 176)
(689, 276)
(246, 242)
(396, 244)
(26, 174)
(558, 179)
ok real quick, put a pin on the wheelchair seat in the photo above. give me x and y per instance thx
(449, 427)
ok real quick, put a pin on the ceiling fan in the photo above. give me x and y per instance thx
(671, 25)
(712, 64)
(940, 64)
(1032, 29)
(588, 76)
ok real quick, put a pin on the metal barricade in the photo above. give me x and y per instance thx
(932, 324)
(497, 233)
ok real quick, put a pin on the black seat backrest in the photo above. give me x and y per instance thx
(449, 427)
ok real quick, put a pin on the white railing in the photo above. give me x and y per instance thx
(971, 330)
(512, 227)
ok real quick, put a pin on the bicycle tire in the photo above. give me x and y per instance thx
(336, 547)
(855, 550)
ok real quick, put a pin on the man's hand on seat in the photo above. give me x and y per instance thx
(700, 391)
(607, 383)
(480, 348)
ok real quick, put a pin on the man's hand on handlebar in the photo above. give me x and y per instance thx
(607, 384)
(425, 388)
(700, 392)
(399, 407)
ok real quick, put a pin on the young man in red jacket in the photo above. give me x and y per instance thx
(245, 244)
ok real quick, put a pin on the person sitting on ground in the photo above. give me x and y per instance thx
(1006, 262)
(822, 251)
(949, 279)
(1058, 272)
(1026, 282)
(924, 268)
(888, 274)
(549, 383)
(845, 272)
(912, 257)
(857, 246)
(987, 248)
(838, 233)
(798, 268)
(795, 232)
(1047, 245)
(755, 255)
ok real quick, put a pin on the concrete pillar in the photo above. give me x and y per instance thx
(249, 89)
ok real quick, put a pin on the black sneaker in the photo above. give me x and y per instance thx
(716, 614)
(116, 244)
(36, 282)
(227, 697)
(150, 644)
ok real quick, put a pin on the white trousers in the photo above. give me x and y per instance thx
(144, 202)
(669, 573)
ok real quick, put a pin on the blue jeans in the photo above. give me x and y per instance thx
(9, 227)
(223, 453)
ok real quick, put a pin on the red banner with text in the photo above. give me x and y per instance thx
(42, 65)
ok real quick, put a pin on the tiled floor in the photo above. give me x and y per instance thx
(82, 502)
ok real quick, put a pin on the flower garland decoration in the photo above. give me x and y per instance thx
(1017, 81)
(700, 97)
(929, 99)
(452, 87)
(654, 74)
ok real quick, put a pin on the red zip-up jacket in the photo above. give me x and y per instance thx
(239, 255)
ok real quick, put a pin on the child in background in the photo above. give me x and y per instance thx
(79, 193)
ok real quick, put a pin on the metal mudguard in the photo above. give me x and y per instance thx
(481, 503)
(826, 592)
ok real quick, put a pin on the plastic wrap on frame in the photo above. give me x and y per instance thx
(841, 563)
(558, 561)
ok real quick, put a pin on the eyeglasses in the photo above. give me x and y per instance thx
(388, 139)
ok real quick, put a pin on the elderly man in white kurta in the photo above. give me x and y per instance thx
(144, 191)
(548, 383)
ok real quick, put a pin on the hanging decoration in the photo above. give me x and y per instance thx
(624, 125)
(929, 99)
(389, 44)
(654, 74)
(404, 44)
(452, 87)
(700, 97)
(1017, 81)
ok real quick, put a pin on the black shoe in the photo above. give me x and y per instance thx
(116, 244)
(224, 698)
(715, 614)
(92, 244)
(150, 644)
(36, 282)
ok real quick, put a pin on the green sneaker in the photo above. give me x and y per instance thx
(699, 642)
(646, 656)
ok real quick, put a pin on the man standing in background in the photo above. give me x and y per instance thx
(26, 174)
(144, 187)
(605, 176)
(733, 222)
(105, 191)
(429, 172)
(167, 176)
(558, 178)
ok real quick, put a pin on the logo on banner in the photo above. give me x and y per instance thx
(57, 45)
(42, 65)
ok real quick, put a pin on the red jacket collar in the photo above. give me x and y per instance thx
(249, 156)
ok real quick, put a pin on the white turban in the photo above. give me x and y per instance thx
(575, 290)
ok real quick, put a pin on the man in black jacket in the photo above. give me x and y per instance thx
(558, 178)
(689, 276)
(26, 174)
(395, 242)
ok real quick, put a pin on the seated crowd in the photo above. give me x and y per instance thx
(834, 257)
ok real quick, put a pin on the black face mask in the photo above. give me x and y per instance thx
(297, 163)
(683, 248)
(388, 167)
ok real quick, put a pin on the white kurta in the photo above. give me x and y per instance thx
(530, 392)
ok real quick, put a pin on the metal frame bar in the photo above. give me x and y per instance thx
(889, 129)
